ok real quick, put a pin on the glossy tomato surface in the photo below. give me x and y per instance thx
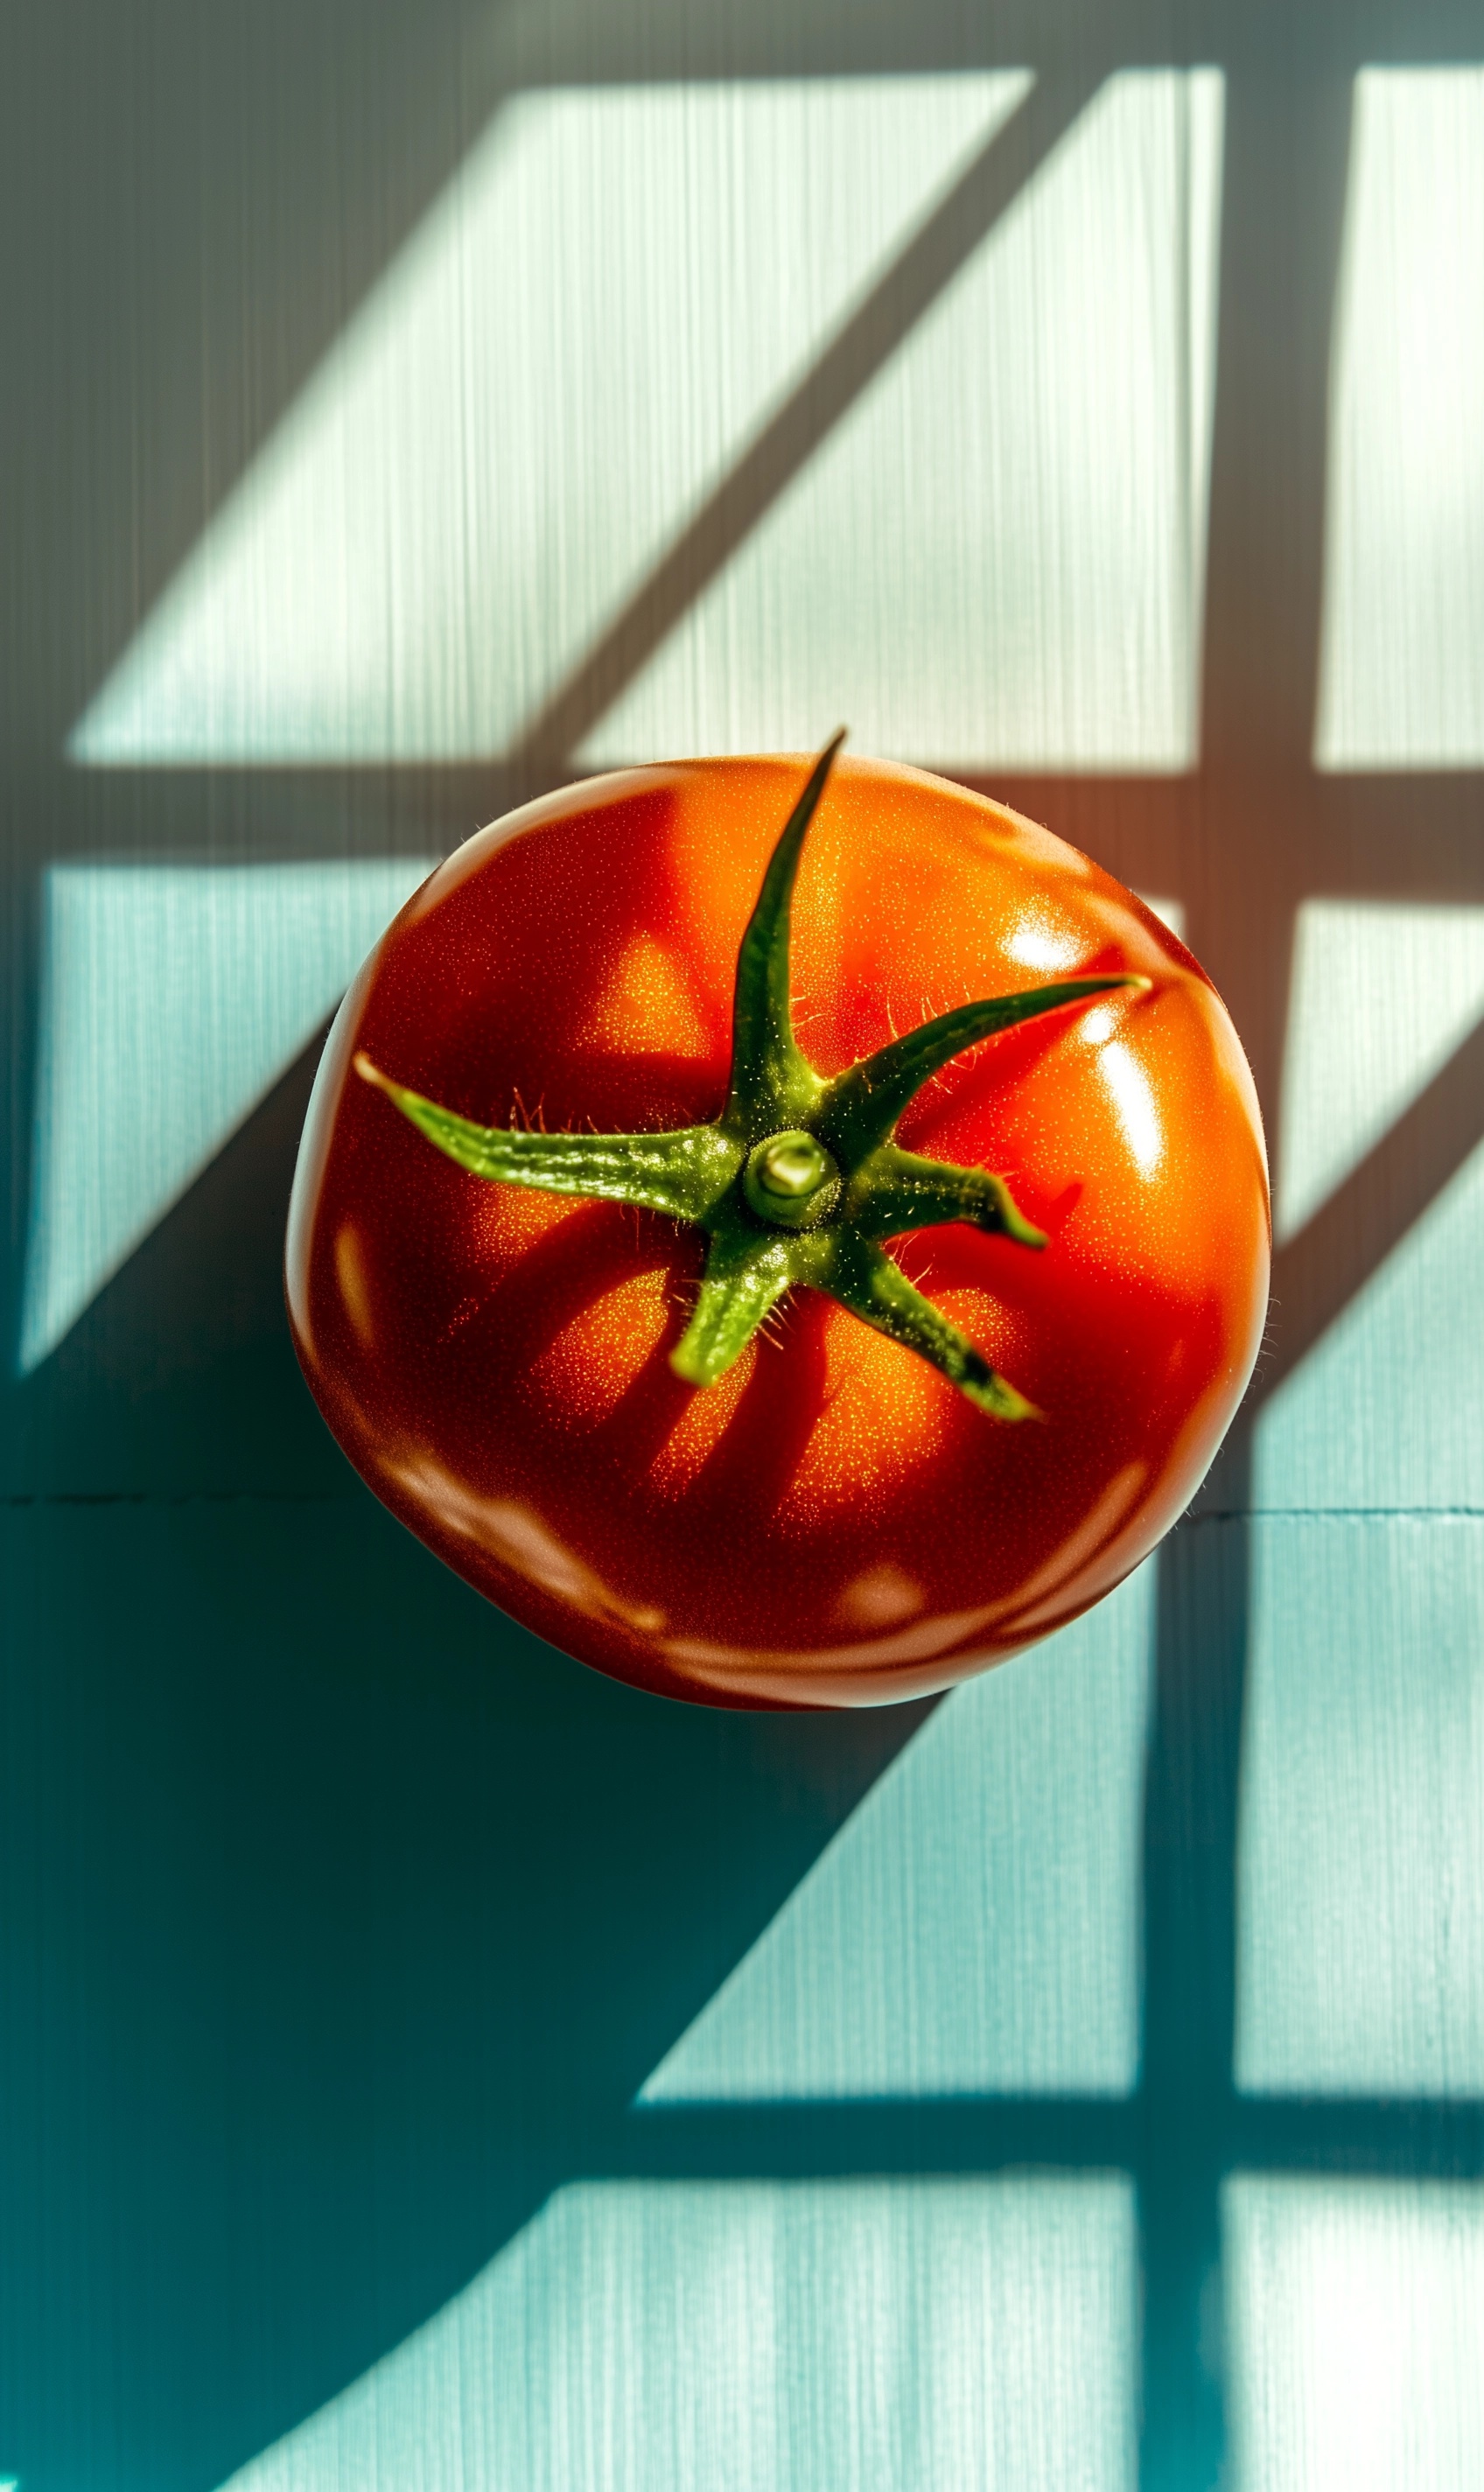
(832, 1523)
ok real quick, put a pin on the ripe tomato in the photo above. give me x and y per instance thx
(838, 1518)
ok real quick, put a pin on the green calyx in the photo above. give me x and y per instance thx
(799, 1179)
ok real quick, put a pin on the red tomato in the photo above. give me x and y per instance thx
(833, 1522)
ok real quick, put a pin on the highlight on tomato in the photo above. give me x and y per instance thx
(790, 1236)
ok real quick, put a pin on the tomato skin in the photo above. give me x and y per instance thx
(832, 1524)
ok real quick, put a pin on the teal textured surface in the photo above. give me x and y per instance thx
(425, 2063)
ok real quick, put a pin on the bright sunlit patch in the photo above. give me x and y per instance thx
(561, 363)
(1361, 1960)
(1170, 912)
(973, 1928)
(1041, 943)
(905, 2336)
(701, 1426)
(353, 1284)
(1381, 996)
(1402, 679)
(1033, 460)
(1388, 1409)
(645, 1008)
(882, 1596)
(884, 1411)
(591, 1364)
(1355, 2334)
(1133, 1097)
(511, 1219)
(172, 997)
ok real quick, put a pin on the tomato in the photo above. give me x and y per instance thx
(918, 1421)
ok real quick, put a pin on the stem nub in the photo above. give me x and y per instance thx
(790, 1181)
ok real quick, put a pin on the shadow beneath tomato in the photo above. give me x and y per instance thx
(345, 1920)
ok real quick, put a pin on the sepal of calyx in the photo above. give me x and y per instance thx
(799, 1179)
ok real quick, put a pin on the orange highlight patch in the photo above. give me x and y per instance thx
(515, 1218)
(591, 1364)
(990, 1326)
(646, 1008)
(701, 1426)
(350, 1272)
(885, 1410)
(882, 1597)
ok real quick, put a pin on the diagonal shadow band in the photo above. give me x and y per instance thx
(1147, 830)
(899, 300)
(1320, 1270)
(1401, 834)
